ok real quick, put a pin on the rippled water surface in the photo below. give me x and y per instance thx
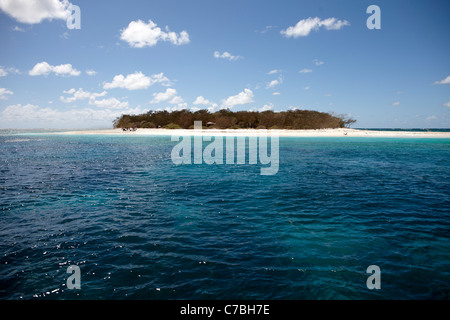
(140, 227)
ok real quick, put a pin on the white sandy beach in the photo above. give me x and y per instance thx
(253, 132)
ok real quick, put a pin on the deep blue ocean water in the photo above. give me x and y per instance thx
(140, 227)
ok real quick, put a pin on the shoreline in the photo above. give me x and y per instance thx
(341, 132)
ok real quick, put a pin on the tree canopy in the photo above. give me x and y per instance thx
(226, 119)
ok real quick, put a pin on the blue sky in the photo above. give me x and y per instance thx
(135, 56)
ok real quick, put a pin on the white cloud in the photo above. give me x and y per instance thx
(35, 11)
(80, 94)
(305, 26)
(276, 94)
(139, 34)
(307, 88)
(266, 107)
(19, 112)
(215, 108)
(43, 68)
(91, 72)
(4, 92)
(272, 84)
(178, 107)
(109, 103)
(305, 71)
(293, 108)
(273, 71)
(70, 91)
(244, 97)
(431, 118)
(443, 81)
(177, 100)
(33, 116)
(396, 103)
(226, 55)
(318, 62)
(4, 72)
(65, 69)
(200, 100)
(447, 104)
(169, 95)
(136, 81)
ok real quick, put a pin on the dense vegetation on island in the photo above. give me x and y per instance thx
(226, 119)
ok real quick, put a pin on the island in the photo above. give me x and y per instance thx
(227, 119)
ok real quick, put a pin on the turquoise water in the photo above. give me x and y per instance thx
(140, 227)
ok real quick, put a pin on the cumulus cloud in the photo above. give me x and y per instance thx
(276, 94)
(109, 103)
(244, 97)
(266, 107)
(4, 92)
(200, 100)
(215, 108)
(443, 81)
(293, 108)
(226, 55)
(396, 103)
(44, 69)
(19, 112)
(305, 71)
(447, 104)
(3, 72)
(139, 34)
(35, 11)
(80, 94)
(272, 84)
(136, 81)
(91, 72)
(169, 95)
(305, 26)
(178, 107)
